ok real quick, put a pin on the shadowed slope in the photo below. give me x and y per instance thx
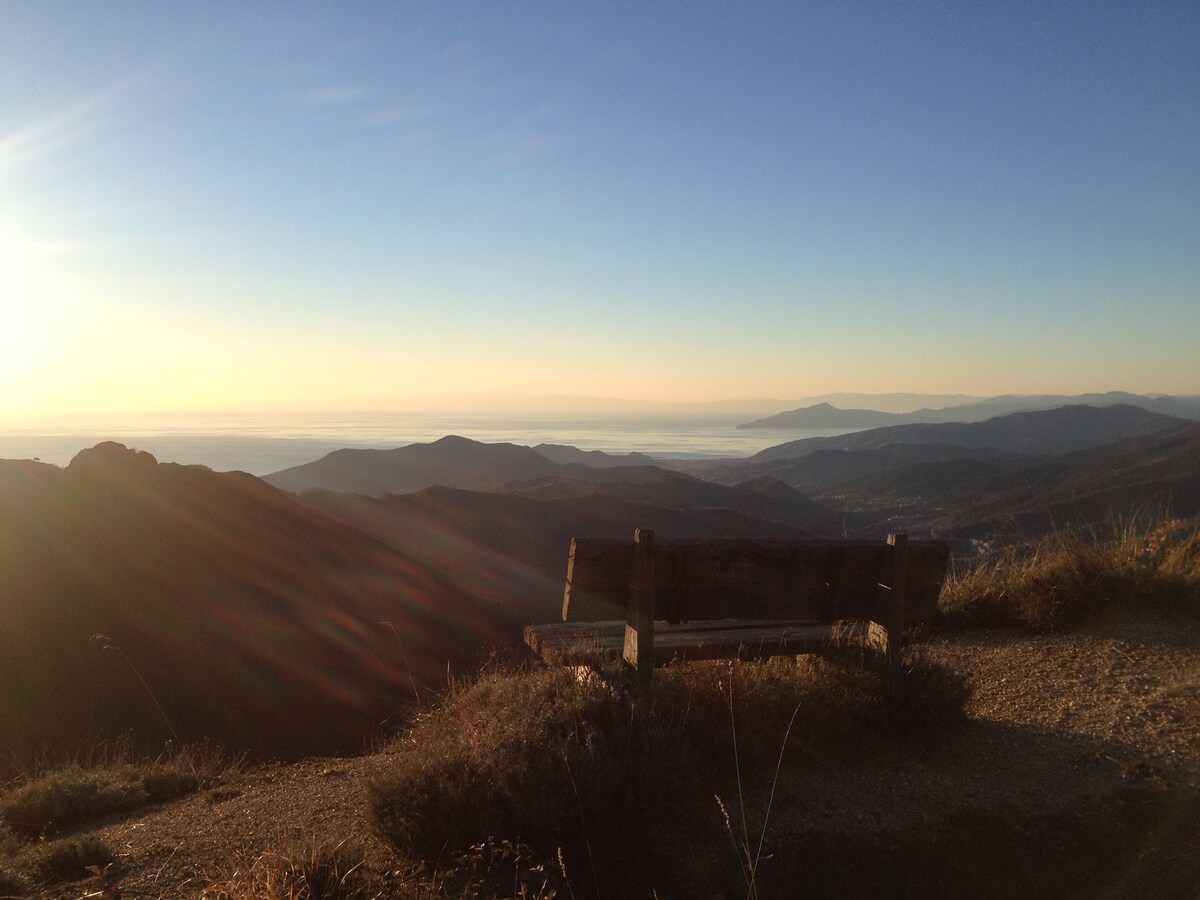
(1150, 475)
(251, 617)
(762, 497)
(1144, 475)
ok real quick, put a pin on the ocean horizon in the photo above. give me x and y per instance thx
(264, 443)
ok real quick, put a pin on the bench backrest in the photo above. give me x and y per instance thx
(750, 579)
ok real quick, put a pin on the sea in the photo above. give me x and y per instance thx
(261, 443)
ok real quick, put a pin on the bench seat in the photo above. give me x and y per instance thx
(575, 643)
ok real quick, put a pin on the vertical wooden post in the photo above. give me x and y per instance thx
(639, 617)
(566, 609)
(895, 582)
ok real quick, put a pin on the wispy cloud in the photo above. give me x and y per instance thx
(64, 128)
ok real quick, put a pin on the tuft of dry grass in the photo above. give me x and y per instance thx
(300, 870)
(1066, 577)
(321, 870)
(71, 859)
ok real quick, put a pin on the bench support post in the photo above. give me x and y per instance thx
(639, 618)
(892, 586)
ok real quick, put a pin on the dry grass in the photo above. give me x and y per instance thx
(50, 800)
(1066, 577)
(316, 870)
(312, 870)
(70, 858)
(99, 782)
(616, 789)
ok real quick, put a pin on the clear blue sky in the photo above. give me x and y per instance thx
(216, 204)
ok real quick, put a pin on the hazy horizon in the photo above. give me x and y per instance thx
(231, 207)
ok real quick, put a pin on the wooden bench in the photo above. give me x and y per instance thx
(651, 602)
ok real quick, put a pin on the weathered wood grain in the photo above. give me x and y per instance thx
(754, 579)
(737, 598)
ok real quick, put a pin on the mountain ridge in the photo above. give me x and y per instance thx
(825, 415)
(1040, 432)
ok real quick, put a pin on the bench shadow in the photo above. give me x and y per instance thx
(998, 810)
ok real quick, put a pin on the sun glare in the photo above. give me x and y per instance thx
(21, 337)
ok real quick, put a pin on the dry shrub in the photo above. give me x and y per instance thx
(1067, 576)
(1178, 553)
(623, 783)
(59, 798)
(525, 758)
(493, 869)
(12, 882)
(70, 796)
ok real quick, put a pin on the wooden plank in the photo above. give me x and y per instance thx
(596, 564)
(752, 579)
(594, 606)
(573, 643)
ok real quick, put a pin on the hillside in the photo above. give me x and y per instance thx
(513, 549)
(827, 466)
(762, 497)
(251, 617)
(1044, 433)
(564, 454)
(1147, 475)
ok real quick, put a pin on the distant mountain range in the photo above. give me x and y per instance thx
(824, 415)
(1148, 475)
(1043, 433)
(916, 461)
(828, 465)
